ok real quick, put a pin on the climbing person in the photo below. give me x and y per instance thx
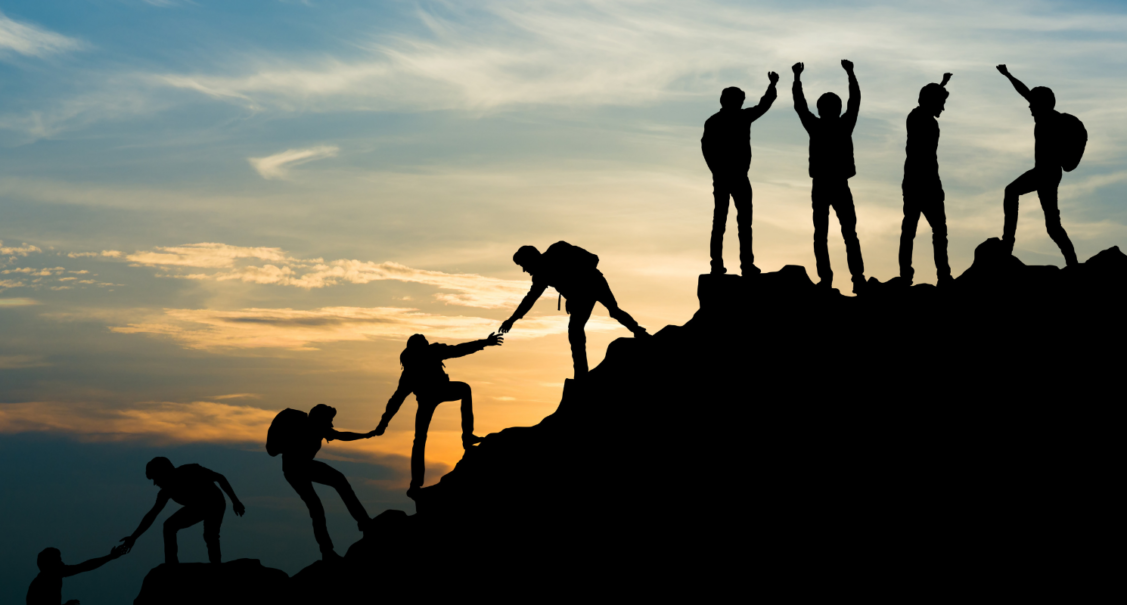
(831, 166)
(47, 587)
(726, 145)
(922, 189)
(297, 437)
(423, 375)
(572, 271)
(1059, 141)
(192, 486)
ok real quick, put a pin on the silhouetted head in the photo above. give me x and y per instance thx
(933, 97)
(829, 105)
(732, 98)
(322, 414)
(158, 469)
(50, 559)
(1041, 101)
(415, 345)
(527, 257)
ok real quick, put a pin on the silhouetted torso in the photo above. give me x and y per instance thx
(192, 485)
(727, 140)
(560, 269)
(923, 141)
(831, 146)
(306, 444)
(45, 589)
(1047, 147)
(425, 370)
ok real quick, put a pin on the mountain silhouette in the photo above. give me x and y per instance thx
(788, 434)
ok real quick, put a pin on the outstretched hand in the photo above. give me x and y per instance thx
(379, 430)
(946, 79)
(848, 65)
(494, 340)
(127, 543)
(797, 68)
(118, 551)
(506, 326)
(239, 508)
(1002, 68)
(773, 77)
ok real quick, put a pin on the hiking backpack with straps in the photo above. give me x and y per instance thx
(1073, 138)
(286, 427)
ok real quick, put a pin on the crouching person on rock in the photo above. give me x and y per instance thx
(194, 487)
(423, 375)
(297, 437)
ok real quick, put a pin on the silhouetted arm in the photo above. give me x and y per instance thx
(946, 79)
(335, 435)
(853, 105)
(393, 404)
(766, 100)
(226, 487)
(467, 348)
(162, 499)
(95, 563)
(525, 306)
(800, 106)
(1021, 89)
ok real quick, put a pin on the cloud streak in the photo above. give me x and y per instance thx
(278, 166)
(33, 41)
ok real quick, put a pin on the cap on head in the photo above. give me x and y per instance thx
(158, 466)
(1042, 98)
(829, 105)
(526, 255)
(322, 412)
(49, 558)
(732, 98)
(933, 94)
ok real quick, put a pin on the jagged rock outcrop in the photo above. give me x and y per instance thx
(238, 582)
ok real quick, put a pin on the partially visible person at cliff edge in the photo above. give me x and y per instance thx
(831, 167)
(47, 587)
(194, 487)
(1059, 141)
(572, 271)
(297, 436)
(726, 145)
(922, 189)
(423, 375)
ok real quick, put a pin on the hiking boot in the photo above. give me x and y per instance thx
(750, 271)
(413, 492)
(469, 441)
(945, 281)
(330, 556)
(859, 286)
(640, 332)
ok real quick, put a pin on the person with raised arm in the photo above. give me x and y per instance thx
(193, 486)
(726, 145)
(47, 587)
(424, 376)
(922, 189)
(1058, 143)
(831, 167)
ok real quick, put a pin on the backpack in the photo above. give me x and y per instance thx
(1072, 139)
(574, 257)
(287, 425)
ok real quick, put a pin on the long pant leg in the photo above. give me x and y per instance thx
(1047, 193)
(461, 390)
(719, 220)
(1023, 184)
(299, 477)
(212, 521)
(322, 473)
(936, 216)
(908, 232)
(185, 517)
(741, 198)
(821, 206)
(847, 216)
(418, 448)
(606, 297)
(580, 309)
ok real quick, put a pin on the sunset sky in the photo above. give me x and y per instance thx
(211, 211)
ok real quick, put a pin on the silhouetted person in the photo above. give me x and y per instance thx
(47, 587)
(302, 471)
(831, 166)
(193, 486)
(423, 375)
(1045, 177)
(572, 271)
(923, 191)
(726, 145)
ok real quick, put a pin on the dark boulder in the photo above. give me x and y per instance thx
(239, 582)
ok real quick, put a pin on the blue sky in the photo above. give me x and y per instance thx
(210, 211)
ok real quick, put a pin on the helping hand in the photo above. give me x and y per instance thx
(506, 326)
(118, 551)
(239, 508)
(772, 76)
(797, 68)
(847, 64)
(127, 542)
(494, 340)
(379, 430)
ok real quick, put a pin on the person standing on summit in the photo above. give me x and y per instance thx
(1058, 143)
(572, 271)
(726, 145)
(923, 191)
(831, 166)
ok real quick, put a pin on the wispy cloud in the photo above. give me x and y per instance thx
(21, 250)
(16, 302)
(305, 330)
(277, 166)
(205, 255)
(19, 362)
(33, 41)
